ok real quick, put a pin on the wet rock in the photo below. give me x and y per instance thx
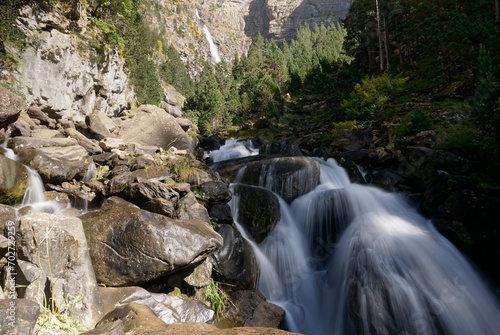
(285, 148)
(10, 107)
(53, 256)
(59, 197)
(221, 212)
(354, 172)
(120, 183)
(289, 177)
(361, 157)
(258, 210)
(129, 245)
(235, 262)
(211, 143)
(18, 316)
(57, 164)
(249, 308)
(13, 180)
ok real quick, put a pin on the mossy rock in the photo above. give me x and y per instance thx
(13, 180)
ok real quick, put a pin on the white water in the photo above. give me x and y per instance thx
(34, 194)
(351, 259)
(234, 149)
(213, 48)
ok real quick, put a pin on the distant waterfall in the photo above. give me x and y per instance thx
(351, 259)
(213, 48)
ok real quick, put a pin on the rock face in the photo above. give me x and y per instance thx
(10, 107)
(62, 81)
(13, 180)
(129, 245)
(234, 23)
(53, 259)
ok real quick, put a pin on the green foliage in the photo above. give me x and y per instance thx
(109, 8)
(174, 72)
(371, 95)
(9, 33)
(338, 126)
(101, 172)
(213, 222)
(216, 298)
(201, 195)
(110, 35)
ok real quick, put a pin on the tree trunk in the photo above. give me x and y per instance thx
(497, 10)
(386, 45)
(379, 34)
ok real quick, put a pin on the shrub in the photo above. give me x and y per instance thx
(371, 95)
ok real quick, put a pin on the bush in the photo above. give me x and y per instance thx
(371, 95)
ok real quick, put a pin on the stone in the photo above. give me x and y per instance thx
(53, 258)
(13, 180)
(7, 214)
(258, 210)
(249, 308)
(211, 143)
(153, 173)
(59, 197)
(169, 308)
(23, 125)
(109, 144)
(201, 274)
(235, 262)
(10, 107)
(22, 320)
(57, 164)
(120, 183)
(173, 97)
(160, 206)
(217, 191)
(130, 246)
(153, 126)
(99, 124)
(185, 124)
(349, 140)
(354, 172)
(140, 193)
(46, 133)
(37, 114)
(361, 157)
(22, 142)
(141, 162)
(221, 212)
(189, 208)
(90, 146)
(181, 188)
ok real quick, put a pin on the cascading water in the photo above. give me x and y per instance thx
(34, 194)
(352, 259)
(213, 48)
(233, 149)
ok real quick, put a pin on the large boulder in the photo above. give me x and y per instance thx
(10, 107)
(57, 164)
(258, 210)
(18, 316)
(13, 180)
(24, 142)
(249, 308)
(54, 263)
(189, 208)
(99, 124)
(152, 126)
(130, 246)
(169, 308)
(235, 262)
(92, 148)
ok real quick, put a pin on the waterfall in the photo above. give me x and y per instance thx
(213, 48)
(234, 149)
(353, 259)
(34, 194)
